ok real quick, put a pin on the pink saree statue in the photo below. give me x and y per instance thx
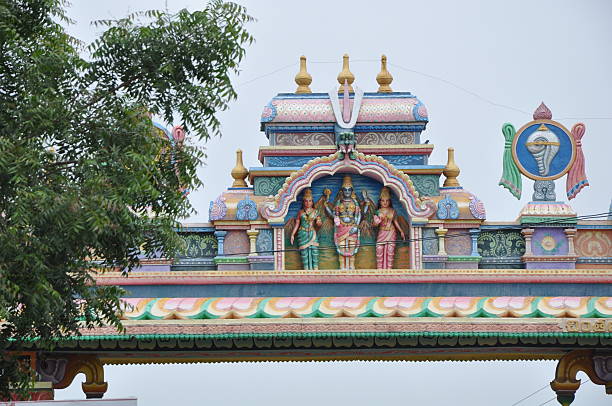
(388, 226)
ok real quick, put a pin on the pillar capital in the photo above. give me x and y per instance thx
(570, 231)
(441, 232)
(527, 232)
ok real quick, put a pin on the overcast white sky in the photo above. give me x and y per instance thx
(515, 54)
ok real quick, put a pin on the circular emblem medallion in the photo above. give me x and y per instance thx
(543, 150)
(548, 243)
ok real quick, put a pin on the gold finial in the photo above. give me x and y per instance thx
(451, 170)
(239, 173)
(303, 78)
(346, 74)
(384, 78)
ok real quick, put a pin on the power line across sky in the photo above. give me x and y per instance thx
(424, 74)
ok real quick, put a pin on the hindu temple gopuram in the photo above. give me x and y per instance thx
(347, 243)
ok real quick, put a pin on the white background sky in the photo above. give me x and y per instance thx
(513, 53)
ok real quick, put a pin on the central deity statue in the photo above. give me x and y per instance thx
(347, 217)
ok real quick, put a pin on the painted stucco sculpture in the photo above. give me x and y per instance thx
(307, 219)
(543, 150)
(347, 218)
(388, 228)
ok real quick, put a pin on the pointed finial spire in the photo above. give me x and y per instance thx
(303, 78)
(451, 170)
(542, 113)
(345, 75)
(239, 173)
(384, 78)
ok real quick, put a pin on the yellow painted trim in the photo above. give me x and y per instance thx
(323, 358)
(416, 171)
(243, 223)
(363, 146)
(424, 171)
(365, 272)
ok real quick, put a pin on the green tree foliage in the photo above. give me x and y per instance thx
(87, 183)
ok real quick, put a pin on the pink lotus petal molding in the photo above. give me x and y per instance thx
(405, 302)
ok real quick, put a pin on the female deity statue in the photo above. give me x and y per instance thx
(347, 216)
(308, 244)
(386, 220)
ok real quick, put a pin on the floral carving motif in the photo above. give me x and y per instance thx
(397, 138)
(269, 113)
(288, 160)
(430, 241)
(426, 185)
(198, 246)
(266, 186)
(246, 209)
(594, 243)
(305, 139)
(217, 209)
(404, 159)
(264, 242)
(501, 244)
(477, 208)
(447, 208)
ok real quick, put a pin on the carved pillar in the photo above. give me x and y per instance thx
(596, 366)
(416, 260)
(441, 232)
(279, 248)
(527, 233)
(220, 239)
(570, 233)
(60, 370)
(252, 242)
(474, 232)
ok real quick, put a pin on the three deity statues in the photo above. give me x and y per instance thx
(348, 213)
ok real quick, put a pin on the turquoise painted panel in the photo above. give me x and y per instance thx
(268, 185)
(426, 185)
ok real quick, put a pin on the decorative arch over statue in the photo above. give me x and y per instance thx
(368, 165)
(374, 167)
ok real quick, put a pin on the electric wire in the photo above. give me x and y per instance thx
(427, 75)
(530, 395)
(554, 398)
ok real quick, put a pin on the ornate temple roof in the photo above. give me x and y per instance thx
(316, 108)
